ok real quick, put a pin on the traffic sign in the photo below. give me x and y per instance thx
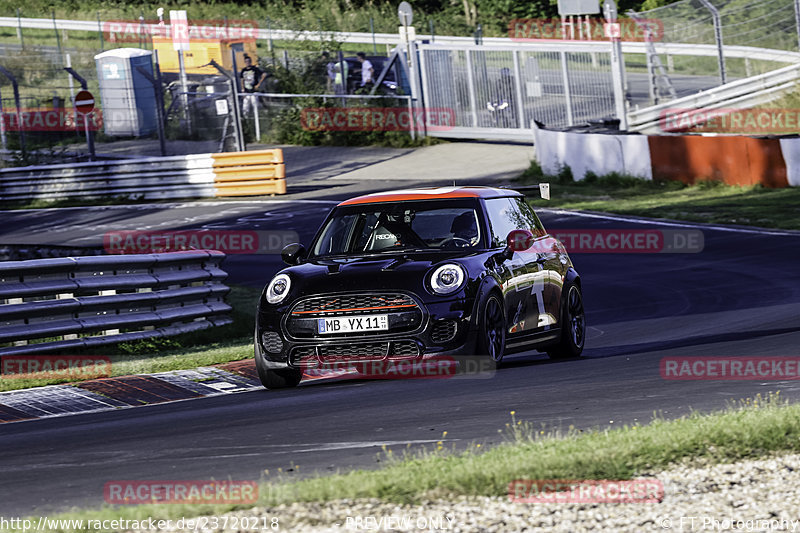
(179, 27)
(568, 8)
(405, 14)
(84, 102)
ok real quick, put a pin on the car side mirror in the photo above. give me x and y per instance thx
(293, 253)
(518, 240)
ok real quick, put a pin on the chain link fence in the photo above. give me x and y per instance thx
(722, 24)
(40, 125)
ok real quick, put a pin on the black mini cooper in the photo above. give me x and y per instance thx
(418, 274)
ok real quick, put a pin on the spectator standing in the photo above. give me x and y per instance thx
(340, 81)
(367, 72)
(252, 77)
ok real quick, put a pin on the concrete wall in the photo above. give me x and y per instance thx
(599, 152)
(735, 160)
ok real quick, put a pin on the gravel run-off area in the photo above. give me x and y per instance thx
(752, 495)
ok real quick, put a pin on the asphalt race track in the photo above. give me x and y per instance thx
(739, 296)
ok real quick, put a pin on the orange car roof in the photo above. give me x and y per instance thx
(431, 193)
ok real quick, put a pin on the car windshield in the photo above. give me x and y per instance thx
(387, 227)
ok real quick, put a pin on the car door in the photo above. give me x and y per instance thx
(504, 217)
(547, 267)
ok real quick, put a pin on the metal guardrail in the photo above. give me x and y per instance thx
(48, 305)
(393, 39)
(741, 93)
(193, 176)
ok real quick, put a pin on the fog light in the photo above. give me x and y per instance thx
(271, 342)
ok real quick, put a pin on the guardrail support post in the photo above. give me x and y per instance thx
(3, 139)
(55, 29)
(19, 30)
(15, 88)
(797, 20)
(617, 66)
(718, 38)
(100, 33)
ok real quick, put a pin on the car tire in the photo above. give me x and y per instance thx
(492, 328)
(573, 325)
(282, 378)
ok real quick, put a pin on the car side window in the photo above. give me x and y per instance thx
(531, 220)
(507, 214)
(504, 216)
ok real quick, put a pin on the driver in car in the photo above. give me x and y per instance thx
(464, 230)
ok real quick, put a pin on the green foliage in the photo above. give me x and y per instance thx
(565, 175)
(451, 17)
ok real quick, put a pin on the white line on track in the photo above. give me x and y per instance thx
(655, 222)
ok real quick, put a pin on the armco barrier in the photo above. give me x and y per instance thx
(192, 176)
(731, 159)
(47, 305)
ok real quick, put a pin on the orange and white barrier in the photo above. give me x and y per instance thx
(260, 172)
(731, 159)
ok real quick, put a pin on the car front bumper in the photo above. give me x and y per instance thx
(277, 349)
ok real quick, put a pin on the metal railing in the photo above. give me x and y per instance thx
(497, 91)
(48, 305)
(705, 47)
(744, 93)
(727, 27)
(559, 83)
(191, 176)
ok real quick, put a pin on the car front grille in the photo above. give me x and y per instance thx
(351, 304)
(312, 356)
(404, 314)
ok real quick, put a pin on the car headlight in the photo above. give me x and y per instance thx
(278, 288)
(447, 278)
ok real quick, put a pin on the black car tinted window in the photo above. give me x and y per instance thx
(529, 216)
(508, 214)
(435, 225)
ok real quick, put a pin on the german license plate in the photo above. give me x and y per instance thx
(350, 324)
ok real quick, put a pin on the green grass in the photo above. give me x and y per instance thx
(749, 429)
(710, 202)
(232, 342)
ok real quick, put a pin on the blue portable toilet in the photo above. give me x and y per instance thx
(127, 97)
